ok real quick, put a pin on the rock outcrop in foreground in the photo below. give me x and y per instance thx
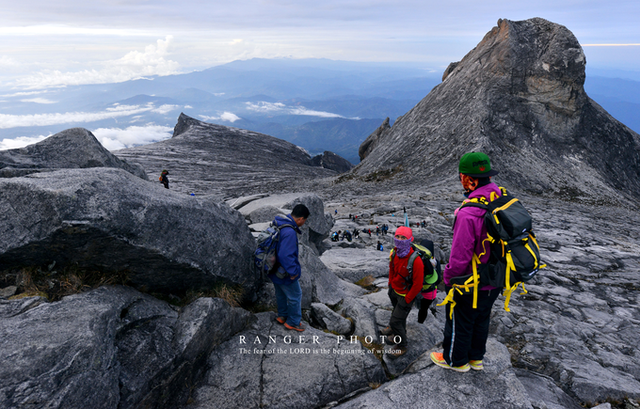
(519, 97)
(109, 220)
(109, 348)
(72, 148)
(228, 162)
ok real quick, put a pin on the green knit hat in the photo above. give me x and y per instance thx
(476, 165)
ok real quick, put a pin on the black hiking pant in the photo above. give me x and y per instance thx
(424, 310)
(465, 336)
(398, 321)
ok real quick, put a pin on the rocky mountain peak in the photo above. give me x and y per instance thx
(226, 161)
(184, 123)
(519, 97)
(71, 148)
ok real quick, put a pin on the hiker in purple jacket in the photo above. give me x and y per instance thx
(465, 335)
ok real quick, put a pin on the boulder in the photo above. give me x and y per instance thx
(268, 366)
(431, 387)
(330, 320)
(353, 264)
(109, 220)
(108, 348)
(363, 315)
(72, 148)
(317, 227)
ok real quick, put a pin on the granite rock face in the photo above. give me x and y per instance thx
(374, 139)
(109, 348)
(72, 148)
(224, 161)
(330, 160)
(110, 220)
(267, 366)
(519, 97)
(430, 387)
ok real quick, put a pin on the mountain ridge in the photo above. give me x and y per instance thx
(519, 97)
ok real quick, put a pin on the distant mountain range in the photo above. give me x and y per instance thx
(315, 103)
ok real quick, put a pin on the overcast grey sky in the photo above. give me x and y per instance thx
(48, 43)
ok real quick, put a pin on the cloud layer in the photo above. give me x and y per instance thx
(110, 138)
(116, 111)
(278, 107)
(135, 64)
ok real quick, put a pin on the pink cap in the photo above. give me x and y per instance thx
(404, 231)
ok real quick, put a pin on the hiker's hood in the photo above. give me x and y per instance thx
(286, 220)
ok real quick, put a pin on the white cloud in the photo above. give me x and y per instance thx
(133, 65)
(266, 107)
(165, 109)
(39, 101)
(8, 62)
(116, 138)
(13, 121)
(23, 94)
(225, 116)
(271, 107)
(20, 142)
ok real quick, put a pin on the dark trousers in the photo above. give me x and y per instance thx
(398, 321)
(465, 337)
(424, 310)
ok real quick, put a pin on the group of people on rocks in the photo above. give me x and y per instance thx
(341, 235)
(467, 327)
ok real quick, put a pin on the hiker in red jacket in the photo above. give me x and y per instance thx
(402, 289)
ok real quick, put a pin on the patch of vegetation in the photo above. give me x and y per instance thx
(382, 175)
(367, 283)
(231, 294)
(54, 284)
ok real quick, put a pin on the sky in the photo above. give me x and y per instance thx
(46, 43)
(50, 43)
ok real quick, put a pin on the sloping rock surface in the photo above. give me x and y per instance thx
(72, 148)
(215, 159)
(330, 160)
(110, 220)
(519, 97)
(109, 348)
(267, 366)
(432, 387)
(373, 140)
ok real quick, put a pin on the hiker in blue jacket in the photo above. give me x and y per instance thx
(286, 276)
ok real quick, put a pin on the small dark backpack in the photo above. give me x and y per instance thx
(264, 257)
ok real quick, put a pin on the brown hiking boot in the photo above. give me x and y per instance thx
(298, 327)
(386, 331)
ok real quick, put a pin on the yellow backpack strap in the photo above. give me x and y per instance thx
(449, 299)
(507, 293)
(472, 282)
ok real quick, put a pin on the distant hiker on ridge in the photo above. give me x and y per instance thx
(465, 335)
(288, 270)
(164, 179)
